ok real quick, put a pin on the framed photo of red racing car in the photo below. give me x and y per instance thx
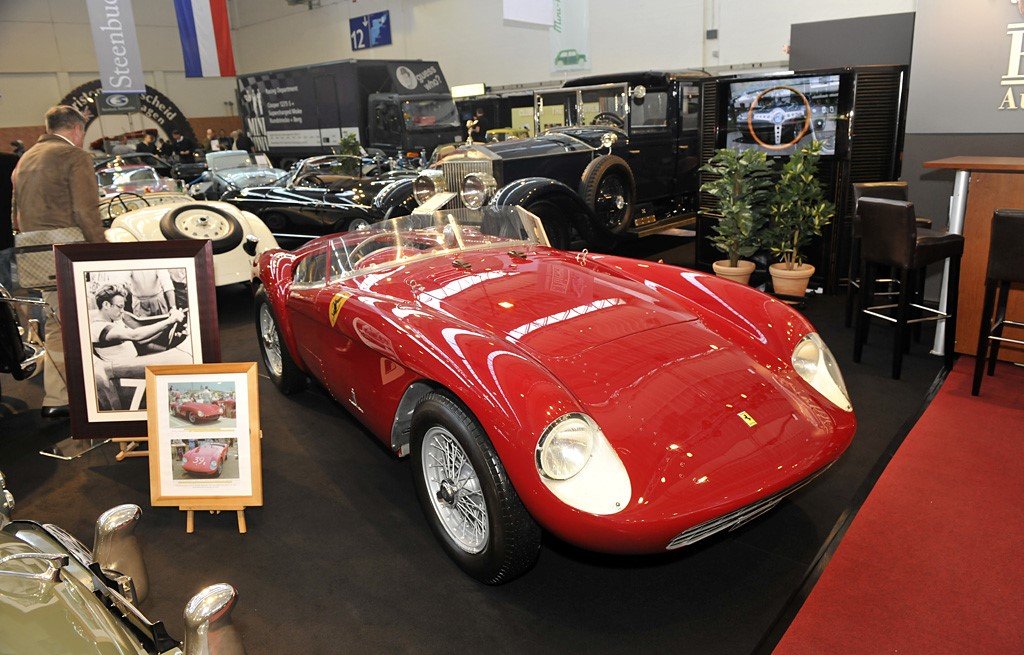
(204, 436)
(124, 307)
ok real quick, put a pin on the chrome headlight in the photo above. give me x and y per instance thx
(579, 466)
(213, 465)
(814, 362)
(565, 447)
(200, 413)
(477, 189)
(428, 184)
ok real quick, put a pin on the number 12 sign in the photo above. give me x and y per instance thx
(370, 31)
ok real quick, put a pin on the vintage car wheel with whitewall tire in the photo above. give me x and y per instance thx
(555, 221)
(282, 369)
(195, 221)
(608, 187)
(466, 495)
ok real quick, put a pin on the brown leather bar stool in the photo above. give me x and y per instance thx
(890, 191)
(1005, 267)
(891, 238)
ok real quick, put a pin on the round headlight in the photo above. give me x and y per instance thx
(566, 446)
(814, 362)
(200, 413)
(427, 185)
(477, 189)
(213, 465)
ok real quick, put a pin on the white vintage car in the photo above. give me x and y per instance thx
(132, 217)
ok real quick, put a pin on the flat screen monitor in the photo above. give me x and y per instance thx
(780, 115)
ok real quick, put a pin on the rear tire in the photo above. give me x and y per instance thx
(281, 368)
(462, 486)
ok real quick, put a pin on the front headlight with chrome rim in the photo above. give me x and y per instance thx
(814, 362)
(576, 462)
(477, 189)
(428, 184)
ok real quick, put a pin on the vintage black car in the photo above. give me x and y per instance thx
(323, 195)
(179, 171)
(618, 156)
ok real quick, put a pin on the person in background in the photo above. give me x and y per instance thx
(164, 148)
(55, 187)
(184, 148)
(7, 163)
(18, 147)
(147, 144)
(242, 141)
(122, 147)
(210, 143)
(226, 142)
(476, 127)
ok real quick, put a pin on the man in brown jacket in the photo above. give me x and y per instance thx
(55, 186)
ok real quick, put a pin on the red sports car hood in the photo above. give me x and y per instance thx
(546, 303)
(206, 408)
(209, 450)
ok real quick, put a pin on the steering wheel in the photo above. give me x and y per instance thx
(608, 118)
(124, 206)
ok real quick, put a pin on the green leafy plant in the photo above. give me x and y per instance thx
(742, 189)
(797, 209)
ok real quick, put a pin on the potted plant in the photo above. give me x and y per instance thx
(742, 189)
(797, 210)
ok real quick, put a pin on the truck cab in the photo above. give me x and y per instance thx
(400, 124)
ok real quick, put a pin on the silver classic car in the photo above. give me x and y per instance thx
(58, 597)
(231, 170)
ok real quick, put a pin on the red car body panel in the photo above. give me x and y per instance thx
(663, 359)
(210, 411)
(198, 459)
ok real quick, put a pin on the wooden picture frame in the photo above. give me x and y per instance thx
(197, 462)
(106, 383)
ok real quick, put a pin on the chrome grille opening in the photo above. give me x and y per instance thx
(736, 518)
(455, 170)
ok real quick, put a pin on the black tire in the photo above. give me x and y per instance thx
(228, 242)
(600, 173)
(513, 542)
(192, 417)
(275, 221)
(290, 378)
(556, 222)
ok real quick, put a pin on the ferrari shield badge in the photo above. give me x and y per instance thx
(748, 419)
(334, 307)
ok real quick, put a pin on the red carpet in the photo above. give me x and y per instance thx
(934, 560)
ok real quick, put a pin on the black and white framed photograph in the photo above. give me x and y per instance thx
(125, 307)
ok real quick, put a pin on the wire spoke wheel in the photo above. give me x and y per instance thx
(454, 490)
(271, 341)
(612, 201)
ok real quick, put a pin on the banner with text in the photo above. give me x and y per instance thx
(570, 36)
(117, 48)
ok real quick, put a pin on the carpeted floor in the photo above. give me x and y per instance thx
(931, 563)
(340, 558)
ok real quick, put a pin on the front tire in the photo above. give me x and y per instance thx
(556, 223)
(469, 502)
(608, 187)
(282, 369)
(192, 417)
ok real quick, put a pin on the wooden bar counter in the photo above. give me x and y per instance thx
(983, 185)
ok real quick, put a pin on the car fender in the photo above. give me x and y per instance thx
(119, 235)
(395, 195)
(528, 190)
(512, 396)
(274, 274)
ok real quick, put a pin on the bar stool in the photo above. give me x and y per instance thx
(1005, 267)
(891, 238)
(891, 191)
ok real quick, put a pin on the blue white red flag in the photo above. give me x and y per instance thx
(205, 38)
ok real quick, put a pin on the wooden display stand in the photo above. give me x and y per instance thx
(983, 185)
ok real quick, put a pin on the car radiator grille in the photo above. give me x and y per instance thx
(737, 517)
(455, 171)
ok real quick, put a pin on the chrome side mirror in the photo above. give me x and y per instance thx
(6, 502)
(208, 627)
(116, 549)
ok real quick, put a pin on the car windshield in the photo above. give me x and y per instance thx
(430, 113)
(604, 105)
(218, 161)
(419, 236)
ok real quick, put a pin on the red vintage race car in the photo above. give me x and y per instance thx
(205, 459)
(228, 407)
(197, 412)
(626, 406)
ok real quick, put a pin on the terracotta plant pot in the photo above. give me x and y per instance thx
(790, 282)
(740, 273)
